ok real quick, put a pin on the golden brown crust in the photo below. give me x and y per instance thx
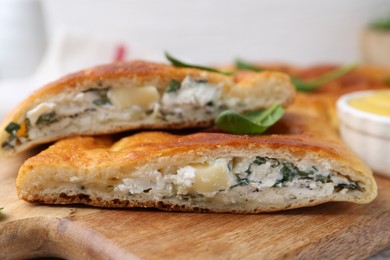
(82, 198)
(304, 130)
(147, 71)
(293, 133)
(361, 78)
(298, 134)
(144, 73)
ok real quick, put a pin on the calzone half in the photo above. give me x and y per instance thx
(298, 163)
(136, 95)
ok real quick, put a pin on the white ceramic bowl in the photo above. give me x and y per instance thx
(365, 133)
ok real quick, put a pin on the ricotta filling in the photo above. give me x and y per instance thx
(237, 180)
(70, 113)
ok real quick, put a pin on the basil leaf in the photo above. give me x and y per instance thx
(12, 128)
(323, 79)
(334, 74)
(173, 86)
(177, 63)
(254, 122)
(243, 65)
(301, 85)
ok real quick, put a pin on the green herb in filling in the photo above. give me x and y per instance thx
(187, 197)
(47, 118)
(99, 91)
(260, 160)
(173, 86)
(241, 182)
(201, 81)
(12, 128)
(10, 143)
(102, 102)
(290, 172)
(350, 186)
(210, 104)
(322, 178)
(230, 166)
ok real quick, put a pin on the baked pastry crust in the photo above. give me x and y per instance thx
(302, 137)
(242, 91)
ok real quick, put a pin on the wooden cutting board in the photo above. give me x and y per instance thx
(333, 230)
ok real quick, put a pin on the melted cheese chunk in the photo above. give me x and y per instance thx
(210, 178)
(143, 97)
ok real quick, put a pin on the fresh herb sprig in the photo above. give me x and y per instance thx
(310, 85)
(177, 63)
(173, 86)
(243, 65)
(303, 85)
(253, 122)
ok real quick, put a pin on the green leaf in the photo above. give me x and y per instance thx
(254, 122)
(383, 24)
(47, 118)
(301, 85)
(177, 63)
(173, 86)
(310, 85)
(243, 65)
(101, 102)
(102, 99)
(12, 128)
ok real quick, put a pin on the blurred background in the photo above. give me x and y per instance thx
(42, 40)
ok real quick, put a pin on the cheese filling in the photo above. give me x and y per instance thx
(236, 180)
(72, 113)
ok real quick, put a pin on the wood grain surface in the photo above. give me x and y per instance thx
(332, 230)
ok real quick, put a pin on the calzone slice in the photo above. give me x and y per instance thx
(136, 95)
(299, 163)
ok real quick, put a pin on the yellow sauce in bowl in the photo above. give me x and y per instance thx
(377, 103)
